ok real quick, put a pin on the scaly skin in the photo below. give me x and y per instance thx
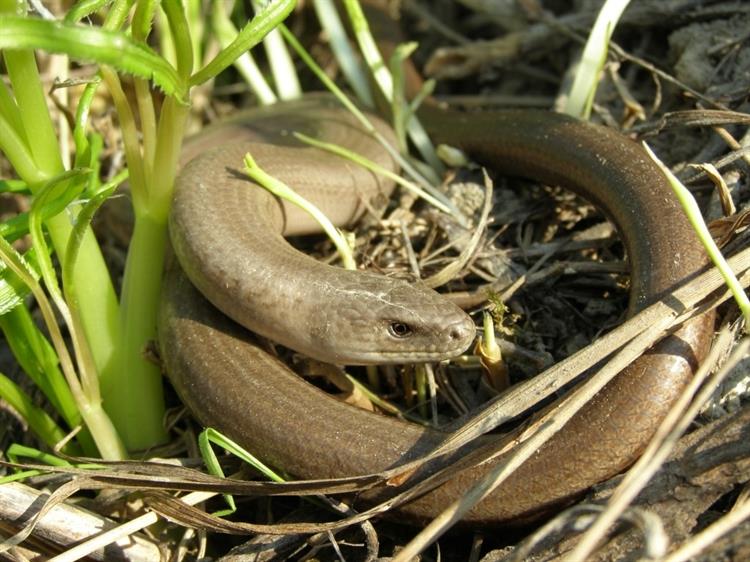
(231, 384)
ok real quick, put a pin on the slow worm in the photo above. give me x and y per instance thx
(228, 236)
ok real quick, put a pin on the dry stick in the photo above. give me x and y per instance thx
(569, 518)
(121, 531)
(66, 524)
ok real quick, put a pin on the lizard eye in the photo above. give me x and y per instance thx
(399, 330)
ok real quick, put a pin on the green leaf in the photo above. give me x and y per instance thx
(84, 8)
(83, 221)
(211, 435)
(58, 192)
(16, 452)
(15, 227)
(39, 421)
(38, 359)
(91, 44)
(214, 466)
(18, 226)
(13, 186)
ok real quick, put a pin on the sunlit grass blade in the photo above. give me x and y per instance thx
(85, 156)
(14, 262)
(264, 21)
(18, 225)
(226, 32)
(280, 189)
(210, 436)
(693, 213)
(16, 452)
(280, 62)
(84, 8)
(399, 105)
(13, 290)
(90, 44)
(86, 367)
(60, 191)
(405, 164)
(178, 27)
(39, 161)
(16, 149)
(350, 66)
(383, 78)
(13, 186)
(9, 108)
(582, 91)
(86, 388)
(373, 167)
(214, 466)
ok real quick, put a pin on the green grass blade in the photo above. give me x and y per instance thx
(18, 226)
(280, 62)
(14, 186)
(373, 167)
(34, 353)
(693, 213)
(38, 359)
(237, 450)
(351, 68)
(582, 92)
(143, 19)
(86, 366)
(117, 14)
(280, 189)
(9, 109)
(264, 21)
(384, 80)
(91, 44)
(17, 451)
(14, 228)
(180, 31)
(39, 421)
(214, 467)
(16, 149)
(225, 32)
(82, 119)
(32, 105)
(61, 190)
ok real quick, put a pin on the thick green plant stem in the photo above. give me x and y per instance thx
(132, 392)
(105, 435)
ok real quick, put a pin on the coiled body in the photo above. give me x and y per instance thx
(235, 386)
